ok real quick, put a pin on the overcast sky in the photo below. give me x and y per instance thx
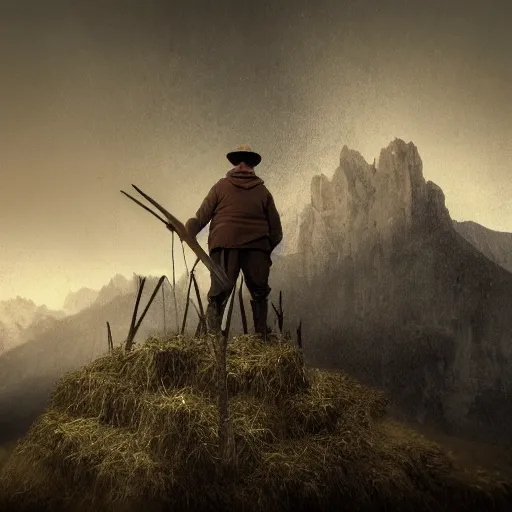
(96, 95)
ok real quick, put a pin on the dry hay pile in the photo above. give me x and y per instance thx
(139, 430)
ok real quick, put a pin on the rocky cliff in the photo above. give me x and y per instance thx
(496, 245)
(387, 288)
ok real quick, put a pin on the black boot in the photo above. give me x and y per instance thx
(214, 313)
(259, 314)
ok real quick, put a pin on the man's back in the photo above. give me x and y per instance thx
(241, 210)
(241, 213)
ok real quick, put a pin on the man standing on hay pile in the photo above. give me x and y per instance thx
(245, 228)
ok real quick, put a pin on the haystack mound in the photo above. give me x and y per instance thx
(139, 431)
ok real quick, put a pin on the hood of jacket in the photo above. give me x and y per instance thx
(243, 179)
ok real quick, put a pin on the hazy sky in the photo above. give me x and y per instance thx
(96, 95)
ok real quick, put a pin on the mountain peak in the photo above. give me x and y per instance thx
(79, 300)
(118, 285)
(379, 252)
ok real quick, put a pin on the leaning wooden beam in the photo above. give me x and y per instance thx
(174, 286)
(199, 328)
(198, 295)
(225, 332)
(153, 295)
(202, 328)
(184, 323)
(175, 225)
(299, 334)
(224, 425)
(163, 308)
(188, 299)
(242, 307)
(201, 325)
(184, 258)
(195, 308)
(223, 406)
(130, 337)
(279, 313)
(145, 207)
(109, 338)
(129, 341)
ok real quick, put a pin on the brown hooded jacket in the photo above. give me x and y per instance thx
(242, 214)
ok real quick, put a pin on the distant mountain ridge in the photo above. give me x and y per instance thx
(86, 297)
(21, 318)
(29, 371)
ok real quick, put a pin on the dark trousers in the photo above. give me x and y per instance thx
(255, 265)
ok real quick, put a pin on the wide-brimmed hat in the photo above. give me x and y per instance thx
(245, 154)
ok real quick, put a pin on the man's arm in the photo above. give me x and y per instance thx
(205, 213)
(274, 222)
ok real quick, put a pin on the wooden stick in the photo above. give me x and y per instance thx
(188, 299)
(230, 313)
(242, 307)
(195, 308)
(199, 328)
(163, 306)
(184, 258)
(129, 340)
(279, 313)
(145, 207)
(198, 295)
(224, 424)
(186, 307)
(177, 226)
(109, 338)
(174, 285)
(153, 295)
